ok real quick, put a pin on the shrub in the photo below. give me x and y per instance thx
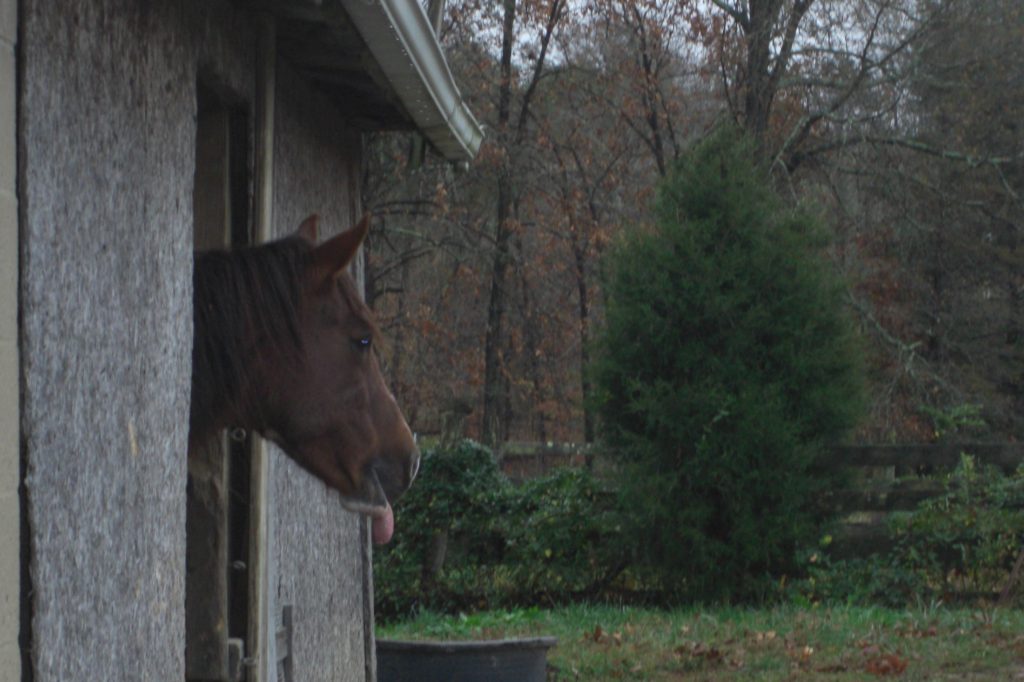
(724, 368)
(958, 546)
(564, 541)
(466, 538)
(453, 515)
(966, 540)
(876, 580)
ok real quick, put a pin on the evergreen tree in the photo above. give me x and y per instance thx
(725, 369)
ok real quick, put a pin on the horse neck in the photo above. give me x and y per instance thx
(244, 307)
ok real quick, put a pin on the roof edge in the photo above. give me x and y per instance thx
(402, 41)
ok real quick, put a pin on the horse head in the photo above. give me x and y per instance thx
(330, 410)
(284, 346)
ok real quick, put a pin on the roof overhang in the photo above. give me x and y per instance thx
(381, 62)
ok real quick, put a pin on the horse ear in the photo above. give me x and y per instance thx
(308, 229)
(336, 253)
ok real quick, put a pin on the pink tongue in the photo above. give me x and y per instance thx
(383, 527)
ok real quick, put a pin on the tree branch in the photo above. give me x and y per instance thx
(867, 65)
(739, 17)
(800, 8)
(553, 17)
(914, 145)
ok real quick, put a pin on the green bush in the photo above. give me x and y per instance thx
(724, 369)
(965, 541)
(467, 539)
(958, 546)
(453, 515)
(876, 580)
(564, 539)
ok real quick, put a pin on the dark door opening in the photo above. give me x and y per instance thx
(217, 522)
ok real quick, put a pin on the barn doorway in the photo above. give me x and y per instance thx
(219, 491)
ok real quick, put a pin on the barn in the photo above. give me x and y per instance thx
(131, 132)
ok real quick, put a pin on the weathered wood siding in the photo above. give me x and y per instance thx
(106, 132)
(10, 522)
(315, 563)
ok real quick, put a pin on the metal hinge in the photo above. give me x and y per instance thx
(236, 659)
(285, 660)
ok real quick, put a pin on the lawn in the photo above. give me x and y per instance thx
(784, 643)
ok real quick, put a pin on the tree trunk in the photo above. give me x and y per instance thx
(758, 95)
(497, 406)
(583, 310)
(493, 428)
(531, 342)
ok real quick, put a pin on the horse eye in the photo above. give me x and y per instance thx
(363, 343)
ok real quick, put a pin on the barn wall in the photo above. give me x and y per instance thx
(10, 663)
(316, 563)
(106, 130)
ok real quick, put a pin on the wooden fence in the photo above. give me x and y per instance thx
(522, 460)
(887, 479)
(884, 479)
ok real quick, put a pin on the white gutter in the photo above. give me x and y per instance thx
(402, 41)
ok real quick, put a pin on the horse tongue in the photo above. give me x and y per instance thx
(383, 527)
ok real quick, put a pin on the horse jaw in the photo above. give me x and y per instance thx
(372, 501)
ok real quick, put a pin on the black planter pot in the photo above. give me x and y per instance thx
(503, 660)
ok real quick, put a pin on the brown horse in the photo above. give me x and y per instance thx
(283, 346)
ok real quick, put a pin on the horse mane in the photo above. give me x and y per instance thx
(244, 300)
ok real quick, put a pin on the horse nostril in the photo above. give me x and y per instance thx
(414, 467)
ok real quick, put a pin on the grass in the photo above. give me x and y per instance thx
(784, 643)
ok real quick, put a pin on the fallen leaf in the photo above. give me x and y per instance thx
(710, 654)
(834, 668)
(888, 665)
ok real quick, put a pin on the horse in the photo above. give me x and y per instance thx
(283, 346)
